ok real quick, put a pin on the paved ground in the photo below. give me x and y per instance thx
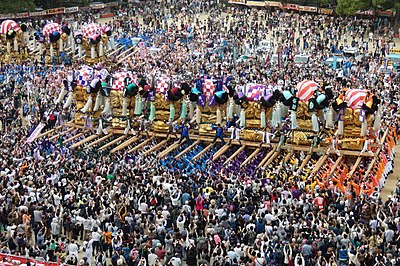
(392, 178)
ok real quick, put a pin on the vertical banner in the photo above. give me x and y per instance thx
(35, 133)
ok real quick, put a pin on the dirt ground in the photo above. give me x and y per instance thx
(392, 178)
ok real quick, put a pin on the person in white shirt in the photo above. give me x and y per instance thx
(175, 261)
(73, 249)
(235, 134)
(266, 137)
(152, 258)
(96, 240)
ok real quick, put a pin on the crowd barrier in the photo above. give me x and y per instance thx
(12, 260)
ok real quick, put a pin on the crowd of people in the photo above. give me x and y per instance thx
(89, 206)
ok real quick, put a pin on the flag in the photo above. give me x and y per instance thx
(208, 87)
(85, 75)
(35, 133)
(162, 84)
(254, 91)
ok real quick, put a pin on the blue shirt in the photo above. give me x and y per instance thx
(218, 131)
(185, 131)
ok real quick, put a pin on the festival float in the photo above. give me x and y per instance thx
(92, 42)
(321, 136)
(13, 40)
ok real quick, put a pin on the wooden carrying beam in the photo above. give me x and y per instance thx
(76, 136)
(271, 158)
(267, 157)
(115, 51)
(126, 57)
(303, 164)
(48, 132)
(97, 141)
(141, 144)
(124, 145)
(287, 157)
(373, 162)
(125, 52)
(170, 148)
(235, 154)
(112, 142)
(353, 169)
(90, 138)
(255, 152)
(319, 164)
(187, 149)
(159, 145)
(61, 134)
(336, 165)
(221, 151)
(203, 151)
(370, 166)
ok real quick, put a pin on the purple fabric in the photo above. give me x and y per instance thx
(211, 100)
(151, 96)
(201, 101)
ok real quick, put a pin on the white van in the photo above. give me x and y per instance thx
(301, 59)
(339, 61)
(265, 46)
(350, 51)
(274, 59)
(154, 50)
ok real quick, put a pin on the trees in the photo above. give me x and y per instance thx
(60, 3)
(16, 6)
(350, 7)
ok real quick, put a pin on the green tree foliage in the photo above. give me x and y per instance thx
(60, 3)
(350, 7)
(16, 6)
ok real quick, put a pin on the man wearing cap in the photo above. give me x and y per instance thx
(219, 133)
(184, 133)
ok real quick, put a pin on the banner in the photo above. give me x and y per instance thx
(7, 16)
(291, 7)
(97, 6)
(110, 15)
(22, 15)
(366, 12)
(8, 259)
(255, 3)
(38, 14)
(386, 13)
(394, 51)
(55, 11)
(71, 9)
(273, 4)
(111, 4)
(308, 9)
(35, 133)
(239, 2)
(326, 11)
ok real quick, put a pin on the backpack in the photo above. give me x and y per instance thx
(251, 236)
(201, 243)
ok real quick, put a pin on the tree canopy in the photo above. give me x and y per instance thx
(350, 7)
(16, 6)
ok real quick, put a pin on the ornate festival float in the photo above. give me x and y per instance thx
(305, 131)
(14, 41)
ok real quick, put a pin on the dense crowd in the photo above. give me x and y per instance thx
(86, 206)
